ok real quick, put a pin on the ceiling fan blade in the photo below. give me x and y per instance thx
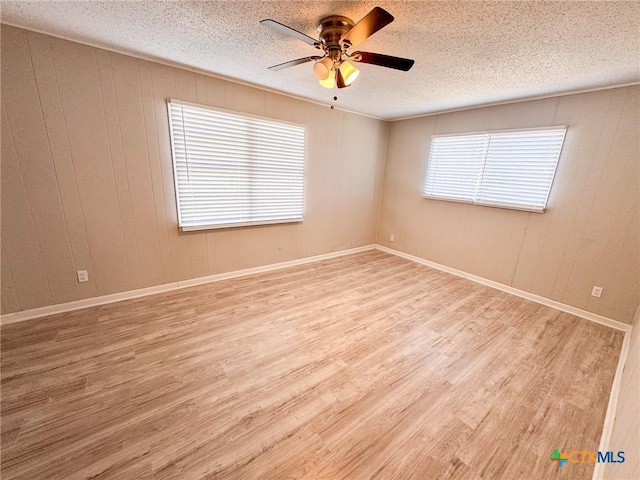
(292, 32)
(367, 26)
(388, 61)
(340, 79)
(293, 63)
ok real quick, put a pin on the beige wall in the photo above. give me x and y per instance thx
(589, 234)
(625, 435)
(87, 181)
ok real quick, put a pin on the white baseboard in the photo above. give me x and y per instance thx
(609, 322)
(142, 292)
(614, 394)
(117, 297)
(612, 406)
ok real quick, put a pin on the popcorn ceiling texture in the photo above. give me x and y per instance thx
(467, 53)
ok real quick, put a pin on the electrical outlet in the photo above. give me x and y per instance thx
(392, 238)
(596, 291)
(83, 276)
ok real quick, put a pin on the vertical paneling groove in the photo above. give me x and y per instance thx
(116, 154)
(131, 125)
(153, 150)
(19, 237)
(605, 200)
(29, 138)
(580, 263)
(108, 141)
(10, 300)
(62, 229)
(90, 289)
(78, 82)
(588, 235)
(45, 77)
(148, 154)
(585, 203)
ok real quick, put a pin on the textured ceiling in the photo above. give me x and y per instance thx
(467, 53)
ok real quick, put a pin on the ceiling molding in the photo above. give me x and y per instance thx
(200, 71)
(519, 100)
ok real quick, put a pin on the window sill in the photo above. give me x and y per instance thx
(521, 208)
(194, 228)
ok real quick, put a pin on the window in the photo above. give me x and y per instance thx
(232, 170)
(511, 169)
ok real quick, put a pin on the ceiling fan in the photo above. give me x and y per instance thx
(337, 34)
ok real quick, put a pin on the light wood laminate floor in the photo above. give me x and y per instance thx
(365, 366)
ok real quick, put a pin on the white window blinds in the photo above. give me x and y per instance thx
(233, 170)
(455, 164)
(513, 169)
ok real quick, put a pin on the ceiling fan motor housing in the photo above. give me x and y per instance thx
(330, 30)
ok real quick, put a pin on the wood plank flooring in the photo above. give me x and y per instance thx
(365, 366)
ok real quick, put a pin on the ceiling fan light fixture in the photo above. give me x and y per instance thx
(337, 35)
(349, 72)
(330, 81)
(322, 68)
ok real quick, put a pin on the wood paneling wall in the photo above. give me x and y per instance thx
(87, 180)
(589, 234)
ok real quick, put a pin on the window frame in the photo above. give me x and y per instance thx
(256, 223)
(522, 208)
